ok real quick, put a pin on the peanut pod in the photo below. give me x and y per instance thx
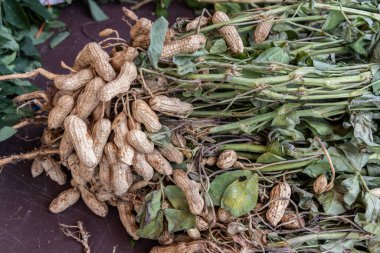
(142, 167)
(279, 196)
(97, 207)
(170, 106)
(74, 81)
(187, 45)
(64, 200)
(145, 115)
(139, 141)
(58, 114)
(159, 163)
(88, 100)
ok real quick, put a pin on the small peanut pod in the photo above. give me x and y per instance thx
(73, 165)
(74, 81)
(145, 115)
(127, 218)
(375, 192)
(142, 167)
(292, 221)
(224, 216)
(170, 106)
(59, 94)
(197, 22)
(227, 159)
(142, 40)
(166, 238)
(121, 178)
(53, 170)
(172, 153)
(142, 27)
(93, 54)
(64, 200)
(58, 114)
(320, 184)
(100, 133)
(37, 168)
(97, 207)
(202, 225)
(81, 140)
(121, 84)
(120, 129)
(278, 203)
(139, 141)
(159, 163)
(65, 146)
(187, 45)
(88, 100)
(137, 185)
(194, 233)
(192, 195)
(184, 247)
(263, 29)
(128, 54)
(229, 33)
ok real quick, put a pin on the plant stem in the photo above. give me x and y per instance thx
(246, 147)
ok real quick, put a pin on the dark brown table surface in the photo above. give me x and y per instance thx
(26, 225)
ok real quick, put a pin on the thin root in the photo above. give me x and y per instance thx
(30, 74)
(27, 156)
(80, 236)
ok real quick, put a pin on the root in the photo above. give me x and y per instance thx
(30, 74)
(27, 156)
(31, 96)
(29, 121)
(81, 235)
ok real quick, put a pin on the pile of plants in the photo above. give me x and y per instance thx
(255, 132)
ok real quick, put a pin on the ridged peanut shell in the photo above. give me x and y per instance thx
(172, 153)
(139, 141)
(227, 159)
(187, 45)
(58, 114)
(278, 205)
(88, 100)
(74, 81)
(96, 206)
(197, 22)
(37, 168)
(159, 163)
(142, 167)
(170, 106)
(127, 218)
(128, 54)
(53, 170)
(145, 115)
(320, 184)
(263, 29)
(292, 221)
(64, 200)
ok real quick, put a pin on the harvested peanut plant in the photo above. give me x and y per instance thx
(250, 133)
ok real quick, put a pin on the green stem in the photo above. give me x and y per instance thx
(287, 165)
(346, 10)
(316, 45)
(246, 147)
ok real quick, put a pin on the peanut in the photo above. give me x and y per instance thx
(292, 221)
(74, 81)
(104, 172)
(170, 106)
(65, 146)
(121, 84)
(81, 140)
(120, 128)
(92, 54)
(137, 186)
(142, 167)
(144, 114)
(202, 225)
(88, 100)
(224, 216)
(172, 153)
(192, 195)
(197, 22)
(97, 207)
(279, 196)
(58, 114)
(59, 94)
(194, 233)
(142, 27)
(73, 165)
(141, 40)
(139, 141)
(375, 192)
(166, 238)
(187, 45)
(229, 33)
(127, 54)
(102, 110)
(320, 184)
(127, 218)
(53, 170)
(37, 168)
(159, 163)
(100, 133)
(183, 247)
(227, 159)
(64, 200)
(263, 29)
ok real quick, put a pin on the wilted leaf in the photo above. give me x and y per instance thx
(319, 127)
(153, 229)
(317, 168)
(219, 47)
(269, 157)
(176, 197)
(6, 132)
(357, 159)
(369, 220)
(151, 207)
(274, 54)
(220, 183)
(240, 197)
(332, 202)
(157, 38)
(352, 186)
(363, 127)
(179, 220)
(334, 18)
(161, 138)
(306, 201)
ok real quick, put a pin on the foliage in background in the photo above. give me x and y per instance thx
(24, 25)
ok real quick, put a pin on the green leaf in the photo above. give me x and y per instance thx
(306, 201)
(229, 8)
(332, 202)
(96, 12)
(317, 168)
(319, 127)
(334, 18)
(8, 59)
(176, 197)
(59, 38)
(221, 182)
(7, 40)
(161, 138)
(352, 186)
(179, 220)
(15, 15)
(38, 8)
(56, 24)
(219, 47)
(151, 207)
(240, 197)
(6, 132)
(370, 220)
(29, 49)
(359, 46)
(274, 54)
(157, 38)
(269, 157)
(153, 229)
(357, 159)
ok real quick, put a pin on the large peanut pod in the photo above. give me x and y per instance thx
(121, 84)
(279, 196)
(58, 114)
(74, 81)
(121, 178)
(81, 140)
(65, 146)
(229, 33)
(59, 94)
(198, 21)
(170, 106)
(98, 207)
(159, 163)
(172, 153)
(127, 218)
(88, 100)
(53, 170)
(142, 167)
(187, 45)
(139, 141)
(145, 115)
(37, 168)
(192, 195)
(64, 200)
(100, 133)
(128, 54)
(93, 54)
(120, 129)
